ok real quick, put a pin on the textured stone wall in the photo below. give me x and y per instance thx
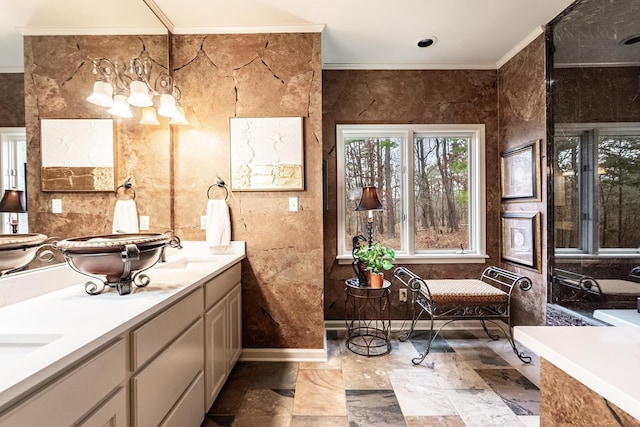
(359, 97)
(12, 100)
(256, 75)
(565, 401)
(522, 110)
(57, 80)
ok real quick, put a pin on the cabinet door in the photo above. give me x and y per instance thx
(113, 413)
(215, 350)
(234, 308)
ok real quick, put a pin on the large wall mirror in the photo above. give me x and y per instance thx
(57, 79)
(595, 110)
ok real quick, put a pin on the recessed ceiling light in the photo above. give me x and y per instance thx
(631, 39)
(428, 41)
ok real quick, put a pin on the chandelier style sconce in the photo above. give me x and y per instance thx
(118, 90)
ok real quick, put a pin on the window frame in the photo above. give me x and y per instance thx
(589, 134)
(477, 252)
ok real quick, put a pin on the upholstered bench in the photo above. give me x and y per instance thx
(487, 299)
(602, 288)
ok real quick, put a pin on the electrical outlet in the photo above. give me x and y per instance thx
(403, 295)
(203, 222)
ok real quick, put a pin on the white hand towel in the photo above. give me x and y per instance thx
(125, 217)
(218, 224)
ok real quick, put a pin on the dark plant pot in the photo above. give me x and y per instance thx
(360, 268)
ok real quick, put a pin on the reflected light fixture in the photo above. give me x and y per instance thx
(369, 202)
(149, 116)
(117, 88)
(13, 202)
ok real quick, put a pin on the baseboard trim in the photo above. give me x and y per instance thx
(320, 354)
(285, 354)
(424, 325)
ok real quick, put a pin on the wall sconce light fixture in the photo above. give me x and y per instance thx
(118, 90)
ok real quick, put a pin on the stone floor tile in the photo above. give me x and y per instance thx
(418, 393)
(361, 372)
(371, 408)
(320, 392)
(318, 421)
(453, 421)
(520, 394)
(262, 407)
(482, 408)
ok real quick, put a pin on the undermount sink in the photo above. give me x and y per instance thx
(189, 264)
(14, 346)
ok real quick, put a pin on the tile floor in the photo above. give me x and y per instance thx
(474, 382)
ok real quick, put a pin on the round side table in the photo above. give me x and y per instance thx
(368, 318)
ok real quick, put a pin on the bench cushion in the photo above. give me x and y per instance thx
(466, 291)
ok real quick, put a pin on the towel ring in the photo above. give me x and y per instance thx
(127, 189)
(219, 184)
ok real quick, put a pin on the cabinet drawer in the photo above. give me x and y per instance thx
(217, 287)
(149, 339)
(157, 388)
(188, 411)
(68, 398)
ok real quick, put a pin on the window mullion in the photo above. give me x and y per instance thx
(408, 188)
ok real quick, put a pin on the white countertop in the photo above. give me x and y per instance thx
(618, 317)
(86, 322)
(605, 359)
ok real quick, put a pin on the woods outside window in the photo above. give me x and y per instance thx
(430, 179)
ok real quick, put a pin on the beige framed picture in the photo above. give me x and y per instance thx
(267, 154)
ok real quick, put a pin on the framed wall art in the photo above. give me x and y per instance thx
(267, 154)
(77, 155)
(520, 172)
(521, 238)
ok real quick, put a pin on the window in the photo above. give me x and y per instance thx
(596, 189)
(430, 180)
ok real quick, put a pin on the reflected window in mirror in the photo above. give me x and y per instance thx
(13, 161)
(596, 188)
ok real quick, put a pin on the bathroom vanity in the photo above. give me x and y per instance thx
(157, 356)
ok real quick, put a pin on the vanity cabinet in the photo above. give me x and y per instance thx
(168, 359)
(93, 393)
(165, 368)
(223, 330)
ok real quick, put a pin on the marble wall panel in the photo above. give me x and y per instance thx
(359, 97)
(58, 78)
(256, 75)
(596, 95)
(522, 111)
(564, 401)
(12, 100)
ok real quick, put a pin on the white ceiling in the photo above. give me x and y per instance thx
(371, 34)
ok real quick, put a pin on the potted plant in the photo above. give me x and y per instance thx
(376, 258)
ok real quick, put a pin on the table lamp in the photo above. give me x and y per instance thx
(369, 202)
(13, 202)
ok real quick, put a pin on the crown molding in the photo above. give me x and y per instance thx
(517, 48)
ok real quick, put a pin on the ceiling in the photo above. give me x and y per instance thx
(356, 34)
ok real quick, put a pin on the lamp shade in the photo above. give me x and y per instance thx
(149, 116)
(369, 200)
(12, 201)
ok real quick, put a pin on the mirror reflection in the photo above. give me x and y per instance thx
(595, 95)
(55, 84)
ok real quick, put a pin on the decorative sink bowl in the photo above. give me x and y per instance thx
(116, 260)
(18, 250)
